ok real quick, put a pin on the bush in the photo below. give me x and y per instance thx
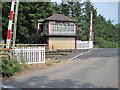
(9, 67)
(100, 42)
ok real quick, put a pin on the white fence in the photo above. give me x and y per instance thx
(30, 55)
(84, 44)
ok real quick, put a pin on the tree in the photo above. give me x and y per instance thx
(5, 18)
(105, 33)
(84, 24)
(64, 9)
(29, 13)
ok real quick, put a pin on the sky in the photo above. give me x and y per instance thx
(107, 8)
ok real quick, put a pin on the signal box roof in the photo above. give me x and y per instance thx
(58, 17)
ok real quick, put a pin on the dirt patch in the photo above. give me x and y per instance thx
(31, 68)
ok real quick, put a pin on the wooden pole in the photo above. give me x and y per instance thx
(15, 24)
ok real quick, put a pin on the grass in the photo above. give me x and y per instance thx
(49, 64)
(52, 62)
(57, 61)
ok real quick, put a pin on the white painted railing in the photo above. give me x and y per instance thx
(30, 55)
(61, 33)
(84, 44)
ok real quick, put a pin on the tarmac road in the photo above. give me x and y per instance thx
(96, 69)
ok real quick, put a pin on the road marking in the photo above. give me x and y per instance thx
(79, 55)
(9, 86)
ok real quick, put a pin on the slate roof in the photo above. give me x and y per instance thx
(59, 17)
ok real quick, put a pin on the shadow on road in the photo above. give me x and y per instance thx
(44, 82)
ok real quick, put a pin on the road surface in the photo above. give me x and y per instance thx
(95, 69)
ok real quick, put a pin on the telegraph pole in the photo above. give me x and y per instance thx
(15, 25)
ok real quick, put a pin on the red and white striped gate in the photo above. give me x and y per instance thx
(91, 32)
(11, 33)
(10, 24)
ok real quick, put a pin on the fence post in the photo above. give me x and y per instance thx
(39, 54)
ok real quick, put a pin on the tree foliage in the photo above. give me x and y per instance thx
(105, 33)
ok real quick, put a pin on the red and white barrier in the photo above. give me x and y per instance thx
(10, 25)
(91, 36)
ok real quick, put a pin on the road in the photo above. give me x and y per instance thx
(96, 69)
